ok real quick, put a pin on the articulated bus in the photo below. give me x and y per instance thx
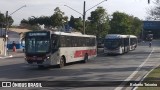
(44, 48)
(119, 44)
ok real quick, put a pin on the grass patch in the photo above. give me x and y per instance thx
(153, 76)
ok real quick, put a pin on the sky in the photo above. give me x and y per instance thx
(37, 8)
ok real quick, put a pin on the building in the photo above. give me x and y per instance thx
(151, 27)
(1, 46)
(15, 35)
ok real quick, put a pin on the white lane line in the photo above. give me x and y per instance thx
(134, 73)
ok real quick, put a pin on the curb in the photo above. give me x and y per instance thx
(12, 56)
(6, 57)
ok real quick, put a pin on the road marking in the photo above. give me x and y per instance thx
(134, 88)
(134, 73)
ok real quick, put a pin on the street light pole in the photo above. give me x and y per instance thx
(7, 27)
(84, 12)
(5, 49)
(17, 9)
(84, 15)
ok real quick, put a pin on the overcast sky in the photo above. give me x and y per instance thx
(137, 8)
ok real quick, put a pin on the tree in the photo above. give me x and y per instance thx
(10, 20)
(76, 23)
(99, 22)
(136, 26)
(24, 21)
(154, 12)
(120, 23)
(58, 18)
(3, 20)
(71, 22)
(55, 20)
(33, 20)
(44, 20)
(25, 24)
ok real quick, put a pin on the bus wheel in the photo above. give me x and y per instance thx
(62, 62)
(85, 58)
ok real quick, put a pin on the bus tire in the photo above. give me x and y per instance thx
(85, 58)
(62, 62)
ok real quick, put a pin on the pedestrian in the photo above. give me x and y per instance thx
(14, 46)
(150, 44)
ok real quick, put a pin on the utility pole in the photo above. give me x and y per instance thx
(7, 27)
(5, 48)
(84, 15)
(84, 12)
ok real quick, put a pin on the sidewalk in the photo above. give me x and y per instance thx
(11, 54)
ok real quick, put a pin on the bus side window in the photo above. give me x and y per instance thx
(122, 42)
(54, 41)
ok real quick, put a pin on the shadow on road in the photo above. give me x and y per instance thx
(19, 71)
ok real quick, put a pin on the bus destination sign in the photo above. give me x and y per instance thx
(37, 34)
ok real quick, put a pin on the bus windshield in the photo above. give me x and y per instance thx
(37, 45)
(112, 43)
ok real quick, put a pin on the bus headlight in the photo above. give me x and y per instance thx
(48, 57)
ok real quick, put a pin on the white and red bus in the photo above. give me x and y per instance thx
(58, 48)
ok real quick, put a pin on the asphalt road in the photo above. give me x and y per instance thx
(127, 67)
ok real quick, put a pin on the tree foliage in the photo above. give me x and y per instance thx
(76, 23)
(58, 18)
(122, 23)
(55, 20)
(136, 26)
(98, 22)
(154, 12)
(3, 20)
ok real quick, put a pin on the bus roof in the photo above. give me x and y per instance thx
(133, 36)
(114, 36)
(64, 33)
(73, 34)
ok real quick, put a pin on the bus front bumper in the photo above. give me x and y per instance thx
(107, 51)
(38, 62)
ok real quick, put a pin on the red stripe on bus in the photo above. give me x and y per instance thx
(81, 53)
